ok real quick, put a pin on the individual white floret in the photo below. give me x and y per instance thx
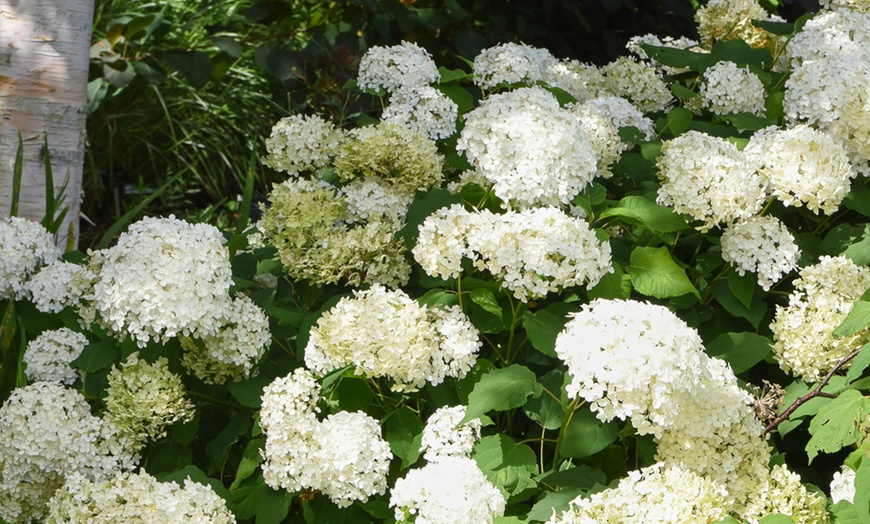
(301, 143)
(511, 63)
(727, 89)
(49, 355)
(396, 68)
(443, 436)
(762, 245)
(25, 246)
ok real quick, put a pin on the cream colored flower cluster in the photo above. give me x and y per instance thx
(639, 82)
(301, 143)
(49, 355)
(52, 288)
(532, 252)
(531, 150)
(512, 63)
(424, 109)
(25, 246)
(761, 245)
(387, 334)
(443, 436)
(720, 20)
(823, 296)
(728, 89)
(136, 498)
(344, 456)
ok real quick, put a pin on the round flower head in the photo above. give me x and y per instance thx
(728, 89)
(230, 356)
(662, 493)
(443, 241)
(603, 135)
(164, 277)
(301, 143)
(25, 246)
(622, 113)
(53, 289)
(730, 20)
(371, 199)
(406, 158)
(843, 485)
(781, 491)
(288, 416)
(424, 109)
(444, 437)
(387, 334)
(349, 459)
(143, 399)
(582, 81)
(804, 343)
(531, 150)
(803, 166)
(48, 356)
(47, 432)
(860, 6)
(761, 245)
(511, 63)
(709, 179)
(639, 82)
(451, 490)
(396, 68)
(136, 498)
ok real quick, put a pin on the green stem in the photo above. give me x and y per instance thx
(572, 408)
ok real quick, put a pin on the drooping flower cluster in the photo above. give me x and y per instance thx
(344, 456)
(387, 334)
(49, 355)
(661, 493)
(443, 436)
(163, 278)
(136, 498)
(25, 246)
(762, 245)
(52, 289)
(301, 143)
(728, 89)
(532, 252)
(143, 399)
(823, 296)
(803, 166)
(639, 82)
(709, 179)
(452, 489)
(232, 354)
(530, 149)
(47, 433)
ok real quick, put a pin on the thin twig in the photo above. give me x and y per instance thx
(817, 392)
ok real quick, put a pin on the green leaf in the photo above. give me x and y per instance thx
(460, 95)
(858, 318)
(858, 199)
(776, 518)
(500, 390)
(486, 299)
(228, 45)
(754, 314)
(859, 364)
(402, 431)
(251, 460)
(862, 491)
(195, 66)
(451, 75)
(97, 356)
(268, 505)
(740, 53)
(679, 119)
(422, 207)
(837, 426)
(544, 409)
(859, 252)
(582, 477)
(654, 273)
(747, 121)
(354, 394)
(557, 501)
(675, 57)
(542, 327)
(640, 211)
(742, 287)
(276, 60)
(196, 475)
(219, 446)
(248, 393)
(774, 27)
(615, 285)
(586, 435)
(119, 73)
(507, 464)
(741, 350)
(682, 92)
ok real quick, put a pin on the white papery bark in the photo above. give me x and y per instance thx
(44, 47)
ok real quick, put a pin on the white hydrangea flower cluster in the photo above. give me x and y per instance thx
(531, 150)
(623, 114)
(732, 19)
(230, 356)
(823, 296)
(344, 456)
(423, 109)
(639, 82)
(860, 6)
(52, 288)
(580, 80)
(762, 245)
(372, 199)
(452, 489)
(635, 44)
(49, 355)
(843, 485)
(661, 493)
(709, 179)
(164, 277)
(803, 166)
(301, 143)
(511, 63)
(601, 119)
(136, 498)
(143, 399)
(387, 334)
(444, 437)
(783, 492)
(396, 68)
(728, 89)
(25, 246)
(532, 252)
(830, 83)
(47, 432)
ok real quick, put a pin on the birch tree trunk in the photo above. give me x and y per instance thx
(44, 54)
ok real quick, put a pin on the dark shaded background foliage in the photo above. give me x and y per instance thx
(187, 91)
